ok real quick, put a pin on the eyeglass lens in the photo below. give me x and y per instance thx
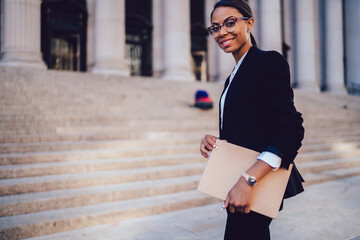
(229, 26)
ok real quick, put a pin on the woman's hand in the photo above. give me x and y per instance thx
(207, 145)
(239, 197)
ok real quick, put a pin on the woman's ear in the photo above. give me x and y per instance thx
(250, 24)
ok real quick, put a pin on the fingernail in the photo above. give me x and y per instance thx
(223, 207)
(208, 156)
(215, 146)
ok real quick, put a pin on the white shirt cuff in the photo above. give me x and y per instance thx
(270, 158)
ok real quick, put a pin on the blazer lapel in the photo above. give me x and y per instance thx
(244, 64)
(225, 86)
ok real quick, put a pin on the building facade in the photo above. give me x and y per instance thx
(166, 38)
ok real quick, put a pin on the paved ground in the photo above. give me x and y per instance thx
(327, 211)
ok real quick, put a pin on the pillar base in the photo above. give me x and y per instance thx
(179, 76)
(308, 86)
(111, 68)
(26, 59)
(338, 89)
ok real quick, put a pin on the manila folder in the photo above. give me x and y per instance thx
(224, 168)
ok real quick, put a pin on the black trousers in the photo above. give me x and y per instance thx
(251, 226)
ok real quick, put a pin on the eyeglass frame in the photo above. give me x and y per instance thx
(221, 25)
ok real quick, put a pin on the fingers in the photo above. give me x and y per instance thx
(232, 208)
(211, 139)
(236, 207)
(205, 153)
(242, 209)
(207, 145)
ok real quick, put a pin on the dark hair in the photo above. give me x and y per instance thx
(241, 5)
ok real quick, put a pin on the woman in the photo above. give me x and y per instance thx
(257, 112)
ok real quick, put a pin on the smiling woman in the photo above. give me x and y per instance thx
(257, 112)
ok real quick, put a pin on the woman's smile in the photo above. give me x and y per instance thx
(225, 43)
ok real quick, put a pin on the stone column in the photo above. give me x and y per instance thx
(289, 37)
(269, 20)
(334, 46)
(90, 52)
(177, 48)
(158, 44)
(212, 48)
(255, 30)
(306, 42)
(21, 47)
(110, 38)
(226, 64)
(352, 40)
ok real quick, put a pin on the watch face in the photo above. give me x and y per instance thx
(252, 181)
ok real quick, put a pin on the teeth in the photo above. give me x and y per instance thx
(226, 42)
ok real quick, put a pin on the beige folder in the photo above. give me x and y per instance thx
(224, 168)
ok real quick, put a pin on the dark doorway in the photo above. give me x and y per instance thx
(139, 36)
(198, 39)
(63, 34)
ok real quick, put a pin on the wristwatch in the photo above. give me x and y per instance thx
(251, 181)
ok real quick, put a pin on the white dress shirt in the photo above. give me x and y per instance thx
(268, 157)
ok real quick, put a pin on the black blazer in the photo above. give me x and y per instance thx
(259, 111)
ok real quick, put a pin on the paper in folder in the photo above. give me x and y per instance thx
(224, 168)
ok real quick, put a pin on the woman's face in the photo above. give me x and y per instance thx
(238, 41)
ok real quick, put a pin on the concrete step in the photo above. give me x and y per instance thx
(85, 145)
(174, 124)
(200, 223)
(60, 200)
(325, 165)
(42, 169)
(331, 139)
(336, 130)
(26, 138)
(47, 222)
(208, 222)
(78, 180)
(340, 146)
(77, 155)
(130, 143)
(326, 155)
(42, 201)
(147, 160)
(310, 153)
(112, 114)
(330, 175)
(40, 223)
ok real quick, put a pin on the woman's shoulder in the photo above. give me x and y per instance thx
(267, 55)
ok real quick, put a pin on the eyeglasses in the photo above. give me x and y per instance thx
(229, 26)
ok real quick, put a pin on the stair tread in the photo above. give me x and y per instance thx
(344, 172)
(84, 151)
(68, 193)
(98, 161)
(112, 173)
(328, 162)
(97, 209)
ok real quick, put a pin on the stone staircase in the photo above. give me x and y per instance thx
(79, 150)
